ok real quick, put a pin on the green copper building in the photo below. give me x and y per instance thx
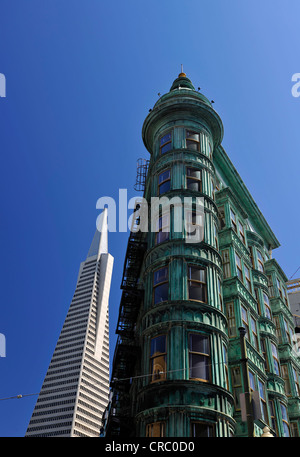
(205, 333)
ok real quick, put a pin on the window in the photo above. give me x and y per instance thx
(273, 417)
(194, 226)
(251, 381)
(165, 143)
(226, 264)
(286, 298)
(155, 430)
(260, 261)
(263, 403)
(279, 287)
(225, 360)
(202, 430)
(164, 182)
(264, 353)
(233, 220)
(288, 332)
(245, 323)
(294, 429)
(251, 256)
(212, 189)
(216, 244)
(236, 380)
(231, 319)
(270, 286)
(193, 179)
(221, 216)
(254, 333)
(160, 285)
(296, 379)
(158, 358)
(247, 278)
(267, 306)
(199, 357)
(220, 292)
(275, 359)
(284, 416)
(256, 293)
(192, 140)
(239, 267)
(285, 376)
(197, 283)
(162, 228)
(241, 230)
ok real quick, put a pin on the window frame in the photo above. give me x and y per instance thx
(159, 228)
(193, 179)
(159, 355)
(267, 306)
(260, 262)
(189, 280)
(245, 322)
(164, 181)
(155, 285)
(286, 377)
(162, 429)
(162, 145)
(208, 425)
(241, 232)
(284, 417)
(247, 274)
(273, 416)
(225, 254)
(263, 400)
(239, 268)
(191, 140)
(230, 313)
(254, 332)
(237, 386)
(233, 220)
(207, 357)
(275, 357)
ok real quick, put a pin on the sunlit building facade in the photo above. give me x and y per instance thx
(205, 330)
(75, 390)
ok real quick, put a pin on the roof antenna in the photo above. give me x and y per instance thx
(182, 74)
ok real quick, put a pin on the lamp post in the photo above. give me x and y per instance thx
(244, 362)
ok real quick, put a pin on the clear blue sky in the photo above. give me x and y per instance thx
(81, 77)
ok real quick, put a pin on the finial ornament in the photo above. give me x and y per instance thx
(181, 74)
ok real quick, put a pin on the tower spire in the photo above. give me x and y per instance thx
(100, 241)
(182, 74)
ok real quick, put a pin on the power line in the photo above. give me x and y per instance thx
(295, 272)
(126, 379)
(18, 396)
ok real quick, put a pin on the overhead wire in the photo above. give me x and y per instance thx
(124, 379)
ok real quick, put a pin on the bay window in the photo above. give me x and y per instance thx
(199, 357)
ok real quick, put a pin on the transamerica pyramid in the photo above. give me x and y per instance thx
(75, 390)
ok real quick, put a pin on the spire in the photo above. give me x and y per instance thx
(100, 241)
(181, 75)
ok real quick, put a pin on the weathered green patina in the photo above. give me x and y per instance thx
(177, 368)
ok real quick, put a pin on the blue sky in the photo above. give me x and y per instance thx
(81, 77)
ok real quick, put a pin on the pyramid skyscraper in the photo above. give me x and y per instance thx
(75, 390)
